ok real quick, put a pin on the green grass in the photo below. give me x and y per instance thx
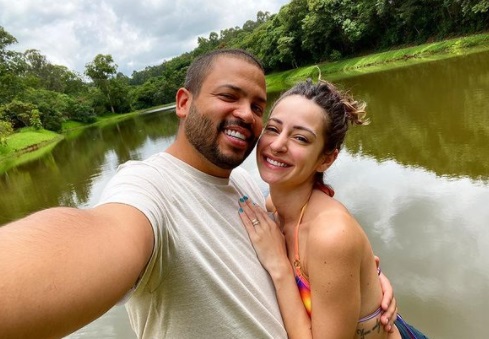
(28, 137)
(18, 158)
(26, 145)
(380, 61)
(70, 124)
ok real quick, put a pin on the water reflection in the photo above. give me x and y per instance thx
(431, 235)
(66, 176)
(416, 178)
(432, 115)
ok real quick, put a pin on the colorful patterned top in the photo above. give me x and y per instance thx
(302, 282)
(300, 278)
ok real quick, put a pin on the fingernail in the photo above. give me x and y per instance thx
(245, 197)
(240, 210)
(241, 199)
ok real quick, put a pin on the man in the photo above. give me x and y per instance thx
(166, 233)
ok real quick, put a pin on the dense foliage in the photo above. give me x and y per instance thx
(34, 92)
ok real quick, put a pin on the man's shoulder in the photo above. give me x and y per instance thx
(246, 184)
(240, 175)
(156, 162)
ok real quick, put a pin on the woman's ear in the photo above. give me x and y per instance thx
(327, 161)
(183, 100)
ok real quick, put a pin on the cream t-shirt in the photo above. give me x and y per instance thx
(204, 279)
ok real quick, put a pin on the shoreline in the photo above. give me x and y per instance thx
(382, 60)
(44, 141)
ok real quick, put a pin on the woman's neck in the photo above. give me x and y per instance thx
(289, 202)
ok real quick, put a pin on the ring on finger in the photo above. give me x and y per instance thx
(254, 222)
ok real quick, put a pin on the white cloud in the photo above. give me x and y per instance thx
(136, 34)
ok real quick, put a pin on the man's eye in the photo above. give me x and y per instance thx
(227, 97)
(257, 110)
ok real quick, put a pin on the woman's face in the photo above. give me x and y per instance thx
(289, 151)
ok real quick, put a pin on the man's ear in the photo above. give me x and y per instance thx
(327, 161)
(183, 100)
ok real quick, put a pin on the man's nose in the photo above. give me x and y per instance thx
(244, 113)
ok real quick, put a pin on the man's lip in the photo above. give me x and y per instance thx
(235, 134)
(247, 133)
(236, 142)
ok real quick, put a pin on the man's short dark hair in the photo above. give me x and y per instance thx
(201, 66)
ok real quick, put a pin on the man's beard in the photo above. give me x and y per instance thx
(203, 135)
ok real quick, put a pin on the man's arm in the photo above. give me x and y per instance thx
(389, 303)
(62, 268)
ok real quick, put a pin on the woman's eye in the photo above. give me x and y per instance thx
(301, 138)
(271, 129)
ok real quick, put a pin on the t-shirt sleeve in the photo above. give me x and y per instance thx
(138, 184)
(134, 185)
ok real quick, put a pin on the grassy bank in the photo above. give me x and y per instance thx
(381, 61)
(29, 144)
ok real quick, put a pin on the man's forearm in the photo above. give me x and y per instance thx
(62, 268)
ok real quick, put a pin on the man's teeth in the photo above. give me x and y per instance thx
(276, 163)
(235, 134)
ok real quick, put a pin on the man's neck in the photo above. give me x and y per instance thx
(188, 154)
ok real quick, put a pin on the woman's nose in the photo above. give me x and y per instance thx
(279, 145)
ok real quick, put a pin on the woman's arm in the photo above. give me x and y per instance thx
(269, 244)
(334, 256)
(343, 307)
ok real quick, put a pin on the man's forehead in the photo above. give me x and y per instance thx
(227, 69)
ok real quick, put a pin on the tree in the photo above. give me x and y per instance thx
(101, 70)
(120, 93)
(207, 45)
(51, 77)
(12, 66)
(262, 17)
(6, 39)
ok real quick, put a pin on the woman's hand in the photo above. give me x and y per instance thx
(266, 237)
(269, 244)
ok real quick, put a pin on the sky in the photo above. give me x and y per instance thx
(136, 33)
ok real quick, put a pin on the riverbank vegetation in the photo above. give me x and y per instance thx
(37, 96)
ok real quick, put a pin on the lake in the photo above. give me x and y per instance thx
(417, 179)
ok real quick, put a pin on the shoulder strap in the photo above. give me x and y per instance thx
(296, 247)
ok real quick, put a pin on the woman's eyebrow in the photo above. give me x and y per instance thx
(280, 122)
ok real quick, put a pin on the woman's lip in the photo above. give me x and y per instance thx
(274, 162)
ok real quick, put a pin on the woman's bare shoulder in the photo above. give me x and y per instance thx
(332, 227)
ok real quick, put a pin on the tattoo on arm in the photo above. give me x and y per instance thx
(363, 333)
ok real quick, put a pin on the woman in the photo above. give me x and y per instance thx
(317, 255)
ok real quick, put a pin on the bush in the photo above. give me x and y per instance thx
(18, 113)
(5, 130)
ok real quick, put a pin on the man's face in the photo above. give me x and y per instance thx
(225, 120)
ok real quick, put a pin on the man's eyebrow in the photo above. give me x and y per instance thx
(229, 86)
(302, 128)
